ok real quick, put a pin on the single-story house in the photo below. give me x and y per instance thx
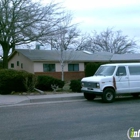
(49, 62)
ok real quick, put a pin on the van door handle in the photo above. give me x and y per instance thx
(126, 77)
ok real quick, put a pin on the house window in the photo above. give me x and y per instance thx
(73, 67)
(17, 63)
(21, 65)
(48, 67)
(12, 65)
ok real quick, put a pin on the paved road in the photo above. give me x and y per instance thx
(70, 121)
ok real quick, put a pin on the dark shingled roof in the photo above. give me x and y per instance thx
(125, 57)
(53, 55)
(77, 56)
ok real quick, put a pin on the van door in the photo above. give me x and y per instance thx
(122, 80)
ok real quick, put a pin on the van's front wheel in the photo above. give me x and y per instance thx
(89, 96)
(108, 95)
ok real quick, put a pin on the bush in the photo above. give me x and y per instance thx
(75, 85)
(45, 83)
(29, 82)
(13, 80)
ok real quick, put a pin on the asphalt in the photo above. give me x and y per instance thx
(24, 99)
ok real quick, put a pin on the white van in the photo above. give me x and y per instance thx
(111, 80)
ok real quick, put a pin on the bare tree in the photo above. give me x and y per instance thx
(24, 21)
(84, 43)
(67, 37)
(66, 40)
(109, 41)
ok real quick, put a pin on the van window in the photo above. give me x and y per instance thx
(134, 70)
(105, 70)
(121, 71)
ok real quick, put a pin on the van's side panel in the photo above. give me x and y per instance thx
(134, 84)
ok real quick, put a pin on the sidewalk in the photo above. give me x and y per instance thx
(22, 99)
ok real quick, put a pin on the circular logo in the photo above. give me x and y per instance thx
(130, 133)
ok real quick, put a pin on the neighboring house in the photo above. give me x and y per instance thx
(126, 58)
(47, 62)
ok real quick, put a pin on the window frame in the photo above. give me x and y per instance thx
(134, 68)
(119, 73)
(49, 68)
(17, 63)
(73, 67)
(22, 65)
(12, 65)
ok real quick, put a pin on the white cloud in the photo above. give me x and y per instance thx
(90, 4)
(100, 14)
(121, 14)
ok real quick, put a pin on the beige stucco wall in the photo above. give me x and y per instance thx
(38, 66)
(27, 64)
(59, 68)
(81, 66)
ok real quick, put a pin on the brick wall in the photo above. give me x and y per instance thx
(67, 75)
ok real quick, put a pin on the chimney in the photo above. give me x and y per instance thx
(37, 46)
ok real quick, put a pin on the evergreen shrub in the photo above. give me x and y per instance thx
(75, 85)
(17, 81)
(45, 83)
(91, 68)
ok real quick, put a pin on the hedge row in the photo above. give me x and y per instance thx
(12, 80)
(22, 81)
(46, 83)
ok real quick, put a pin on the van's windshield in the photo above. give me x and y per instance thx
(105, 71)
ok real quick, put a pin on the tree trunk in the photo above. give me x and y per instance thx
(5, 59)
(62, 65)
(13, 47)
(6, 49)
(62, 73)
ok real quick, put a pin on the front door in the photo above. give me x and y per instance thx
(122, 80)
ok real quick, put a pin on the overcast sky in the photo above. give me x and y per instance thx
(98, 15)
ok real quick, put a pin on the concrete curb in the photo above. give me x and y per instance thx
(29, 99)
(55, 99)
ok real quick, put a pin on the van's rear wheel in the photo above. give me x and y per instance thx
(89, 96)
(108, 95)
